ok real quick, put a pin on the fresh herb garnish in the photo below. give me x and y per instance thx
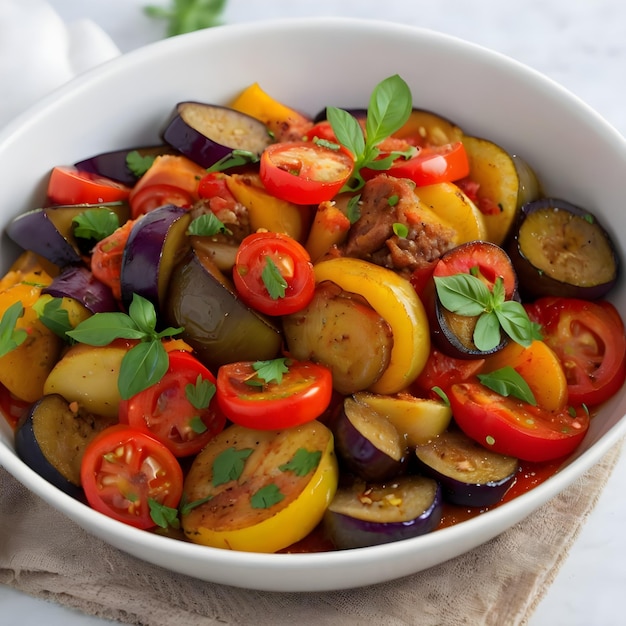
(266, 497)
(389, 108)
(10, 336)
(139, 164)
(185, 16)
(302, 463)
(145, 363)
(236, 158)
(95, 223)
(400, 230)
(273, 280)
(442, 394)
(271, 371)
(162, 515)
(200, 393)
(353, 210)
(229, 465)
(186, 507)
(465, 294)
(207, 225)
(508, 382)
(52, 315)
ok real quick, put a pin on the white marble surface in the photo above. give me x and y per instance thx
(579, 43)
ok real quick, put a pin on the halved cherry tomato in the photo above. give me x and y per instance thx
(263, 263)
(171, 179)
(69, 185)
(443, 371)
(304, 172)
(106, 258)
(152, 197)
(180, 410)
(509, 426)
(588, 337)
(303, 394)
(431, 165)
(123, 469)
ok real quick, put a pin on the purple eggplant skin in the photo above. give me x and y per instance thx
(114, 165)
(452, 333)
(469, 474)
(51, 438)
(367, 443)
(216, 323)
(34, 230)
(206, 133)
(560, 249)
(156, 243)
(49, 231)
(80, 284)
(365, 514)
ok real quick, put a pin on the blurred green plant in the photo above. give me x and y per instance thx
(185, 16)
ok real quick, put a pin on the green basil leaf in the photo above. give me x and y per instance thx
(142, 366)
(11, 337)
(463, 294)
(143, 313)
(102, 328)
(487, 332)
(508, 382)
(207, 225)
(52, 315)
(389, 108)
(515, 322)
(347, 130)
(236, 158)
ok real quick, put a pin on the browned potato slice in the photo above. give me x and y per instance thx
(344, 333)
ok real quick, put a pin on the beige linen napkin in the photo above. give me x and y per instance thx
(44, 554)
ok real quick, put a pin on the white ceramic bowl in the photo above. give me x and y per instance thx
(308, 64)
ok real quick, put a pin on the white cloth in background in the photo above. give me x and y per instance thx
(39, 52)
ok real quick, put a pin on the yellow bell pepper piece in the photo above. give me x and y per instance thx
(266, 212)
(278, 117)
(395, 300)
(24, 369)
(229, 521)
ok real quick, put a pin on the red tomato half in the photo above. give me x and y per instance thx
(510, 426)
(302, 395)
(69, 185)
(123, 469)
(152, 197)
(443, 371)
(266, 260)
(588, 337)
(431, 165)
(304, 172)
(171, 411)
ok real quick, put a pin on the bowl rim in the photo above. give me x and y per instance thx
(101, 525)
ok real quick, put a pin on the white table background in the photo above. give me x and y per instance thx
(579, 43)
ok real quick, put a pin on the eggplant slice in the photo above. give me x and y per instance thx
(560, 249)
(367, 514)
(51, 439)
(469, 474)
(206, 133)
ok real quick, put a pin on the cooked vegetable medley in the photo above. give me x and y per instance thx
(278, 332)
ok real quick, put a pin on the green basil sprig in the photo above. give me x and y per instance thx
(145, 363)
(467, 295)
(508, 382)
(389, 108)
